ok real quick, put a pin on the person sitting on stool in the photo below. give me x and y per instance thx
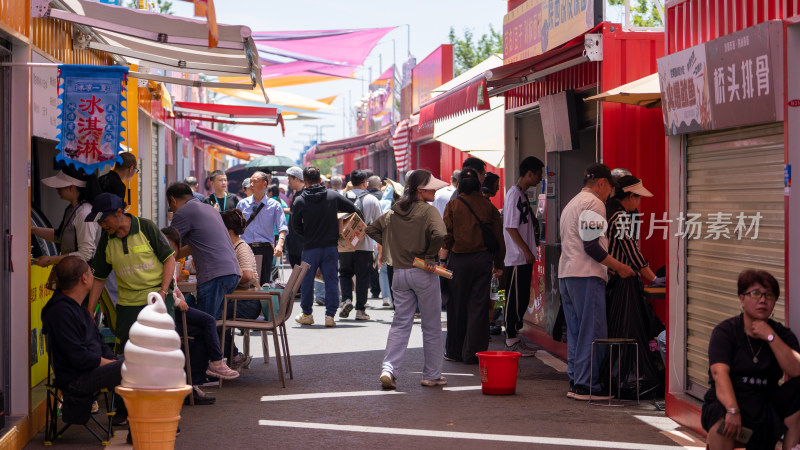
(82, 362)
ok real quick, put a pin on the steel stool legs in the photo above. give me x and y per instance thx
(612, 343)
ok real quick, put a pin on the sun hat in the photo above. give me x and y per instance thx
(633, 185)
(62, 180)
(434, 184)
(398, 188)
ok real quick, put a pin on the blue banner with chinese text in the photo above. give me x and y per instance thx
(90, 132)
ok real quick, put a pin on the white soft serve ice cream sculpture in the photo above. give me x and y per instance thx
(153, 357)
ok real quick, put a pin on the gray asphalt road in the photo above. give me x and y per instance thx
(341, 405)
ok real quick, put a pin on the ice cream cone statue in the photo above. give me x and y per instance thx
(153, 380)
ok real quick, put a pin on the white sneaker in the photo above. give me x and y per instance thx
(387, 380)
(387, 302)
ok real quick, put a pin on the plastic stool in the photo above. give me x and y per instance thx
(618, 343)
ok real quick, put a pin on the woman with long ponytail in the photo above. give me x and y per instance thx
(413, 229)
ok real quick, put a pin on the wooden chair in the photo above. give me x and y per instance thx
(274, 324)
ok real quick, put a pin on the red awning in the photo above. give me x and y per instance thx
(234, 142)
(469, 96)
(510, 76)
(219, 113)
(230, 111)
(353, 143)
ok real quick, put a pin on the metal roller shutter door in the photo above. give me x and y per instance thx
(731, 171)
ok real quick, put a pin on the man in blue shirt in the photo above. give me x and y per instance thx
(263, 215)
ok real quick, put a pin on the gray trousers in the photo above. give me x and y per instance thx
(412, 287)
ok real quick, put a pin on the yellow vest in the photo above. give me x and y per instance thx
(138, 271)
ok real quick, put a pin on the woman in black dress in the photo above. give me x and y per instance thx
(748, 355)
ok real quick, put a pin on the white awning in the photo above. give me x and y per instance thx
(162, 41)
(642, 92)
(479, 133)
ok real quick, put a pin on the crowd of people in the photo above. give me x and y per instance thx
(220, 237)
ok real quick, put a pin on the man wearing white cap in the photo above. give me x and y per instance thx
(75, 236)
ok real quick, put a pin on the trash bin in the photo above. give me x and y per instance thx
(498, 372)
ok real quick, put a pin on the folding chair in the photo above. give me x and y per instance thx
(270, 322)
(57, 398)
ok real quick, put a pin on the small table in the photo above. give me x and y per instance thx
(187, 287)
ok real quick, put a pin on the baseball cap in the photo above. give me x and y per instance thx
(596, 171)
(103, 206)
(631, 184)
(434, 184)
(62, 180)
(295, 172)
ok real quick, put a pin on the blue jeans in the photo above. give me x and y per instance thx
(383, 278)
(211, 294)
(415, 289)
(584, 302)
(326, 259)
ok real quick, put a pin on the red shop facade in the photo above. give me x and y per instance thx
(746, 130)
(545, 78)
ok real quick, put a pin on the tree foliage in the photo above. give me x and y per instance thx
(644, 13)
(161, 6)
(467, 53)
(325, 165)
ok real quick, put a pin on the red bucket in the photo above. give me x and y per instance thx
(498, 372)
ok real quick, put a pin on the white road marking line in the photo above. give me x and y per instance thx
(278, 398)
(552, 361)
(454, 374)
(463, 435)
(462, 388)
(670, 429)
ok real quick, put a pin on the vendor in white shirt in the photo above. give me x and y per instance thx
(75, 236)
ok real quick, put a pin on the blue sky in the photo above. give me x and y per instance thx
(429, 23)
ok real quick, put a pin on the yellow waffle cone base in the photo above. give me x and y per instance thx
(153, 415)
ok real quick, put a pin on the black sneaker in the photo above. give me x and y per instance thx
(571, 391)
(346, 308)
(582, 393)
(120, 420)
(200, 398)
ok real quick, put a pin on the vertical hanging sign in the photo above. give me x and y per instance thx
(90, 132)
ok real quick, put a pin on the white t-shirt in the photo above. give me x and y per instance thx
(517, 214)
(442, 197)
(574, 261)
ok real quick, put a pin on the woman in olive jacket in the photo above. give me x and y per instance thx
(413, 229)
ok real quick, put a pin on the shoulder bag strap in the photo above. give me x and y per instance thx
(253, 216)
(471, 210)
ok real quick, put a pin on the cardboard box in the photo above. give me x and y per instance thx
(352, 231)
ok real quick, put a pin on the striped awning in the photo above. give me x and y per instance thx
(401, 144)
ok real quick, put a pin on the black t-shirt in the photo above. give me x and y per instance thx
(729, 345)
(225, 204)
(112, 183)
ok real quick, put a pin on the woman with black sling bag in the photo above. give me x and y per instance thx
(475, 250)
